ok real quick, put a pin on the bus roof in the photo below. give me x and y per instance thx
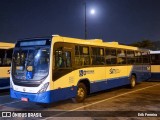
(97, 42)
(4, 45)
(155, 52)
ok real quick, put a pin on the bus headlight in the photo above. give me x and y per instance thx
(44, 88)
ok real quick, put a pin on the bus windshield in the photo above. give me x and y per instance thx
(30, 63)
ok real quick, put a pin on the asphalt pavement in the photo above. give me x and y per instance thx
(142, 102)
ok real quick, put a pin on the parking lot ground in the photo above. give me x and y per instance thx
(142, 102)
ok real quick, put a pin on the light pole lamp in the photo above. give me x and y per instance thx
(92, 12)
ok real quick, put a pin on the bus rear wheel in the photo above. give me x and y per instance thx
(132, 81)
(81, 93)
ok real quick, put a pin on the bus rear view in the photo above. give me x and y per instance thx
(30, 70)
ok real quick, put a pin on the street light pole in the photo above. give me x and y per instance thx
(85, 20)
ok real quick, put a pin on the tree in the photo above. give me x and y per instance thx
(143, 44)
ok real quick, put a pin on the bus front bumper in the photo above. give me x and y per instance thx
(45, 97)
(31, 97)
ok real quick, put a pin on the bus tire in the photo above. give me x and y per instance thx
(132, 81)
(81, 93)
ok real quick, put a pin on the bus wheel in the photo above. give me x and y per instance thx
(132, 81)
(81, 93)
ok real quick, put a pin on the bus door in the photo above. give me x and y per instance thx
(63, 62)
(61, 73)
(146, 68)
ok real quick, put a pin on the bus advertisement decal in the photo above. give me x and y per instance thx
(114, 71)
(84, 72)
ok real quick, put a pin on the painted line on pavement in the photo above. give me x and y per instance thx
(10, 103)
(101, 101)
(4, 96)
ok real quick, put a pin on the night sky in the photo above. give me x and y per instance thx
(125, 21)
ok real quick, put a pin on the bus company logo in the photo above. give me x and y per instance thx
(84, 72)
(114, 71)
(6, 114)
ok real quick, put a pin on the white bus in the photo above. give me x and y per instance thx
(155, 65)
(46, 70)
(6, 50)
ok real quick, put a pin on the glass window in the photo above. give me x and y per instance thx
(2, 56)
(145, 57)
(101, 52)
(111, 57)
(97, 57)
(5, 57)
(58, 58)
(85, 51)
(94, 51)
(82, 57)
(77, 50)
(155, 59)
(63, 59)
(130, 57)
(138, 57)
(121, 56)
(30, 63)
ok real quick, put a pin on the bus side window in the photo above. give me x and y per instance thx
(97, 56)
(0, 61)
(67, 59)
(2, 56)
(155, 59)
(111, 57)
(9, 56)
(145, 57)
(138, 57)
(63, 59)
(5, 57)
(121, 56)
(130, 57)
(82, 57)
(85, 54)
(58, 59)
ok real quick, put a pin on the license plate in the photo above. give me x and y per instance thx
(24, 99)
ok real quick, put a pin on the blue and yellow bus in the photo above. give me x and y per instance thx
(46, 70)
(6, 50)
(155, 65)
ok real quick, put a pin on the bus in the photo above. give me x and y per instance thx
(46, 70)
(6, 50)
(155, 65)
